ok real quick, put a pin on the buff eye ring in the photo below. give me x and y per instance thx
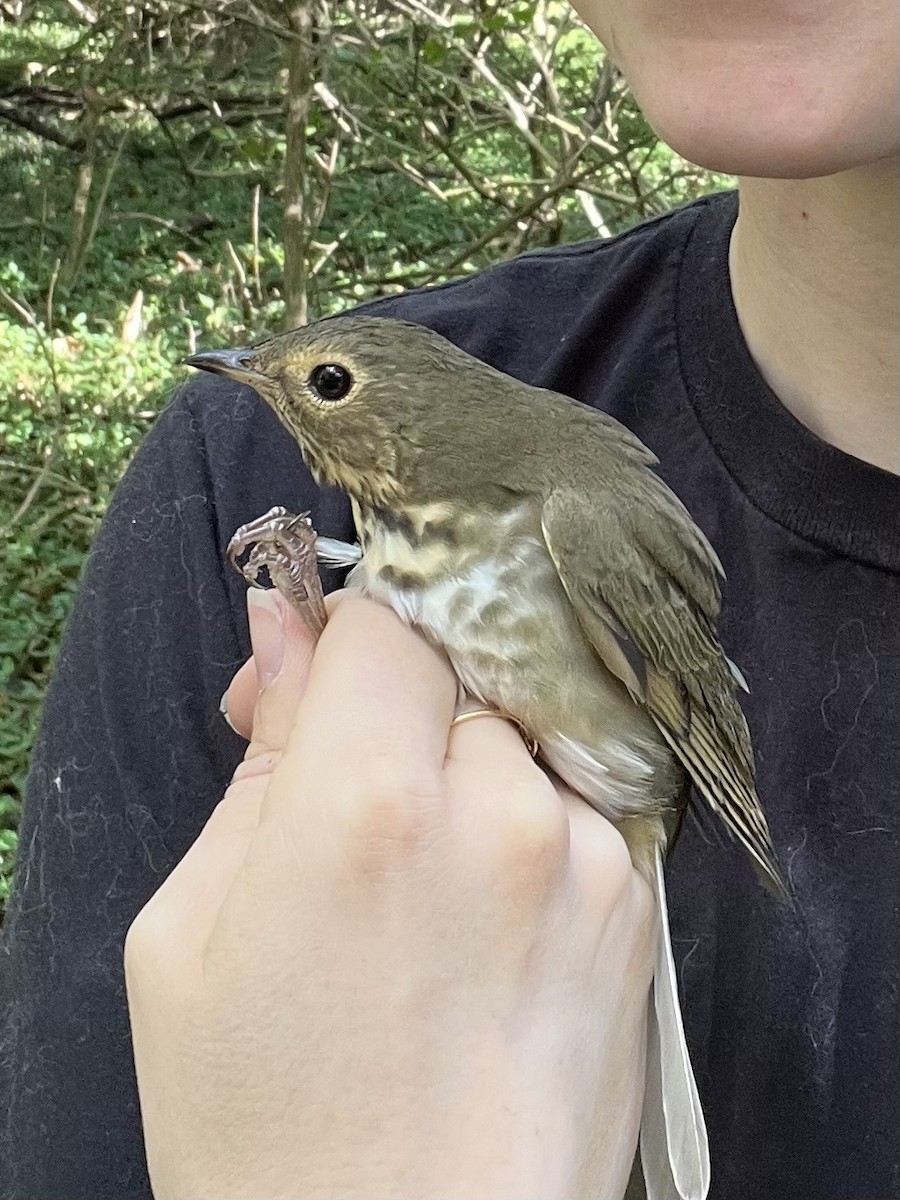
(331, 381)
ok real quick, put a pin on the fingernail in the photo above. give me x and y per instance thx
(266, 633)
(223, 709)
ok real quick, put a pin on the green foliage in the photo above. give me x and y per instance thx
(72, 409)
(420, 166)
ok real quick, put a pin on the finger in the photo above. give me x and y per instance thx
(189, 901)
(379, 685)
(283, 649)
(239, 699)
(178, 920)
(241, 695)
(601, 864)
(478, 740)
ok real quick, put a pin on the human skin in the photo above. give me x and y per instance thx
(242, 1085)
(799, 98)
(405, 967)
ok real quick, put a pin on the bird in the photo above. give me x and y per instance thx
(527, 535)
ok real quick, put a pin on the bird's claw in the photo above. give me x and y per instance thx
(284, 544)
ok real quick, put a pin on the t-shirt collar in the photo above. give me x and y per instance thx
(808, 486)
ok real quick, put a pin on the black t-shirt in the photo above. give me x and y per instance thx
(791, 1017)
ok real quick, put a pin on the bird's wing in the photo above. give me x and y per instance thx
(643, 582)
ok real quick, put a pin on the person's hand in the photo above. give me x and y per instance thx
(398, 961)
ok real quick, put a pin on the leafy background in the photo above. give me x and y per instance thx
(182, 174)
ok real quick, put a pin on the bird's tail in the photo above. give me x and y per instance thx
(674, 1149)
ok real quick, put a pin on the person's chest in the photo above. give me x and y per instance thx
(791, 1015)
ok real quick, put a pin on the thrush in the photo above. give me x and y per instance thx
(527, 535)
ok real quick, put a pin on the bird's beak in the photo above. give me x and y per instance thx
(240, 364)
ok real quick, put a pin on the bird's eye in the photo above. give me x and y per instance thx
(331, 381)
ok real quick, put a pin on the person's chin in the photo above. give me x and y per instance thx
(754, 132)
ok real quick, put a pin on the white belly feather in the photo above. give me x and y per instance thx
(513, 640)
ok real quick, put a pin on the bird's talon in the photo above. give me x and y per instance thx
(282, 543)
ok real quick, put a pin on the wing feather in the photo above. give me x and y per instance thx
(642, 571)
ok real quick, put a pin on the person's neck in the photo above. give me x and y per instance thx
(815, 265)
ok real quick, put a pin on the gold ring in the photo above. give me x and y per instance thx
(471, 713)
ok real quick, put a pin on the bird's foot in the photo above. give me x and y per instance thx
(284, 544)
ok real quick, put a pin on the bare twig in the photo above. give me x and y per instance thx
(24, 311)
(246, 302)
(521, 213)
(51, 288)
(93, 113)
(50, 133)
(61, 481)
(254, 239)
(21, 310)
(37, 484)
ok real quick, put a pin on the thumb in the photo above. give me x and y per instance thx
(283, 649)
(191, 897)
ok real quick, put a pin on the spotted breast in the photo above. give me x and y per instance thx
(486, 590)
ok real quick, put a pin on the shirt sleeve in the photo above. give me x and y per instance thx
(131, 757)
(133, 753)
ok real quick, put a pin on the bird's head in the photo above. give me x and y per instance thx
(389, 411)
